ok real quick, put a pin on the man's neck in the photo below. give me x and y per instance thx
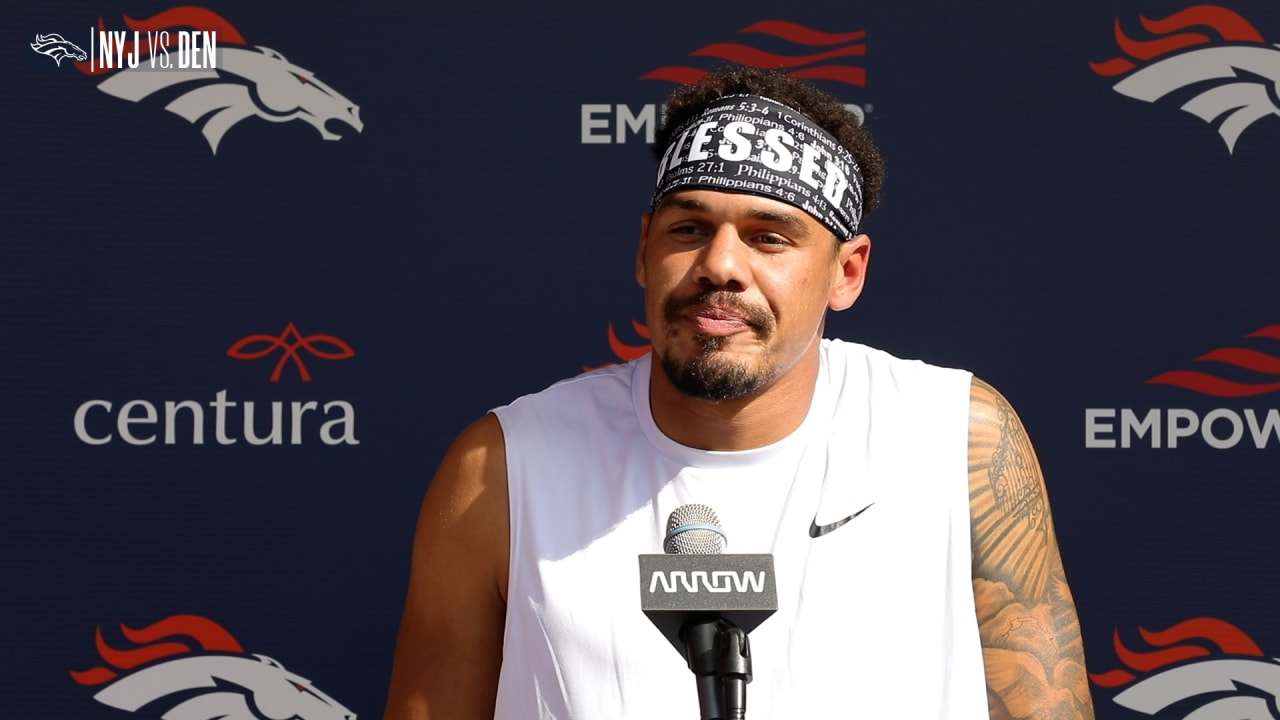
(741, 424)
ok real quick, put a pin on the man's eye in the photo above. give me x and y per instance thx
(771, 240)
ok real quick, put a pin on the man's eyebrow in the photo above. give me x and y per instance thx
(794, 224)
(682, 203)
(788, 219)
(792, 221)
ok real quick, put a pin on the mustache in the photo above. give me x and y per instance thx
(758, 318)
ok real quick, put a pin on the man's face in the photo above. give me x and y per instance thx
(737, 286)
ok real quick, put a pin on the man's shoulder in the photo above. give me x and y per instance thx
(847, 356)
(593, 382)
(599, 395)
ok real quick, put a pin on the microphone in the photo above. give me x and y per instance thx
(694, 530)
(705, 602)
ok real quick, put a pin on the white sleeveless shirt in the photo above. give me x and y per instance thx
(875, 618)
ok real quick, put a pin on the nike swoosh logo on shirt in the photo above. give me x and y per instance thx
(817, 531)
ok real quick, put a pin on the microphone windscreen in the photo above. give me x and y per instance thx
(694, 529)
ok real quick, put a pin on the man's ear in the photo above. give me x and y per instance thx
(644, 233)
(851, 272)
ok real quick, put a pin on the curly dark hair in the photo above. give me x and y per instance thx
(829, 113)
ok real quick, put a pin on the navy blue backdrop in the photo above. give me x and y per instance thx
(1080, 209)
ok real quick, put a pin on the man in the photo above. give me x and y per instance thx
(916, 566)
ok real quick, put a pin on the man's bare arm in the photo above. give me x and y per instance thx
(449, 651)
(1030, 633)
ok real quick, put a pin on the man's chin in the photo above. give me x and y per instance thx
(715, 376)
(732, 347)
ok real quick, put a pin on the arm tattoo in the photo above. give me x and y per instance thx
(1012, 473)
(1026, 617)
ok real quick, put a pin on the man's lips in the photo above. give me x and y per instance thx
(717, 321)
(718, 313)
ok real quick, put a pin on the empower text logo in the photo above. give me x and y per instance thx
(1229, 71)
(801, 51)
(1237, 372)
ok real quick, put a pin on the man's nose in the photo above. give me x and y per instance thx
(723, 261)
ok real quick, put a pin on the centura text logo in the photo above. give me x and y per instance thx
(1236, 372)
(170, 422)
(289, 341)
(1202, 668)
(190, 667)
(1228, 71)
(58, 47)
(223, 80)
(716, 581)
(801, 51)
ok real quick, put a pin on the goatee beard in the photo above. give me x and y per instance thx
(705, 376)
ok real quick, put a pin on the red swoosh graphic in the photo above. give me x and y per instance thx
(1147, 49)
(801, 35)
(1270, 331)
(1112, 678)
(746, 55)
(625, 352)
(1229, 24)
(1210, 385)
(211, 636)
(839, 73)
(1229, 638)
(1245, 358)
(128, 659)
(682, 75)
(1115, 66)
(1148, 661)
(93, 676)
(188, 16)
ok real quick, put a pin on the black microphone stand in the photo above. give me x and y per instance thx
(701, 643)
(735, 671)
(720, 658)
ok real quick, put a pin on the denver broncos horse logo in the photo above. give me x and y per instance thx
(57, 47)
(1232, 79)
(1203, 669)
(248, 82)
(218, 681)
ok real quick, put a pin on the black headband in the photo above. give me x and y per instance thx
(751, 144)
